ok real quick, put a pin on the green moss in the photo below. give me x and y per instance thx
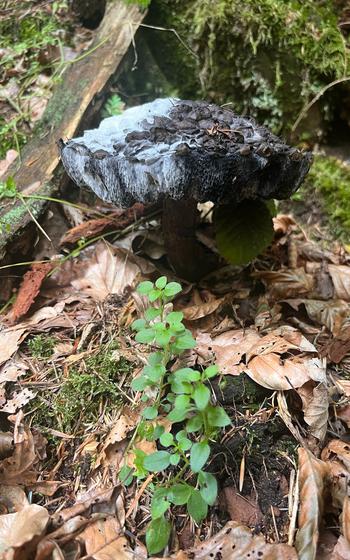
(330, 178)
(41, 346)
(83, 394)
(266, 57)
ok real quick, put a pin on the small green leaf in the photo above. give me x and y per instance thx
(156, 462)
(152, 313)
(194, 424)
(139, 383)
(175, 458)
(182, 434)
(150, 412)
(158, 431)
(155, 373)
(182, 401)
(199, 455)
(174, 317)
(201, 396)
(211, 371)
(180, 387)
(154, 295)
(179, 494)
(218, 417)
(184, 342)
(243, 231)
(155, 358)
(157, 535)
(177, 415)
(159, 504)
(172, 289)
(185, 444)
(126, 475)
(138, 325)
(145, 336)
(209, 487)
(166, 439)
(197, 507)
(187, 374)
(163, 337)
(161, 282)
(145, 287)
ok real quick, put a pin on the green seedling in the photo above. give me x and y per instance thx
(184, 397)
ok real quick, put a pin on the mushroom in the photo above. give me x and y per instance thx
(181, 153)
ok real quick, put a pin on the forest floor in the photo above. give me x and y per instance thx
(278, 329)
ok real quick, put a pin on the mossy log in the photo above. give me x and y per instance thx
(84, 78)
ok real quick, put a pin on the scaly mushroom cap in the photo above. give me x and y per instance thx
(183, 149)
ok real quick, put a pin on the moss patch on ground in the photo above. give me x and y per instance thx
(84, 395)
(329, 180)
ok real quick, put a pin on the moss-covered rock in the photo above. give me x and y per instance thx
(266, 57)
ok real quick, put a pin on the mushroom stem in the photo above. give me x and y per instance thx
(186, 254)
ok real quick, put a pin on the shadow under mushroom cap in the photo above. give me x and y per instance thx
(183, 149)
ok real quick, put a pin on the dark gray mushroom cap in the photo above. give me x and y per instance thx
(183, 149)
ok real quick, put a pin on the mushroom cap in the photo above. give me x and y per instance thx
(183, 149)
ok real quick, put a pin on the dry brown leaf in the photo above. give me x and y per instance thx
(29, 290)
(194, 312)
(6, 444)
(108, 271)
(312, 474)
(11, 155)
(119, 219)
(12, 370)
(269, 366)
(12, 498)
(9, 343)
(338, 347)
(315, 408)
(236, 542)
(228, 348)
(343, 413)
(330, 314)
(103, 540)
(287, 283)
(19, 468)
(18, 529)
(342, 548)
(340, 275)
(243, 509)
(343, 386)
(126, 422)
(283, 223)
(337, 449)
(19, 400)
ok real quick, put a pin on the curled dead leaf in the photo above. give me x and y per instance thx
(103, 540)
(340, 275)
(315, 408)
(287, 283)
(18, 529)
(19, 467)
(312, 474)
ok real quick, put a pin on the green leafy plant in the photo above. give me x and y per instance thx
(243, 230)
(113, 106)
(183, 395)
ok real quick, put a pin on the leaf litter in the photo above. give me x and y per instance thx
(279, 337)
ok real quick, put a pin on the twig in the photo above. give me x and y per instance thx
(307, 107)
(135, 501)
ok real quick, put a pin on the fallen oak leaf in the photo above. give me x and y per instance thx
(19, 467)
(286, 283)
(312, 474)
